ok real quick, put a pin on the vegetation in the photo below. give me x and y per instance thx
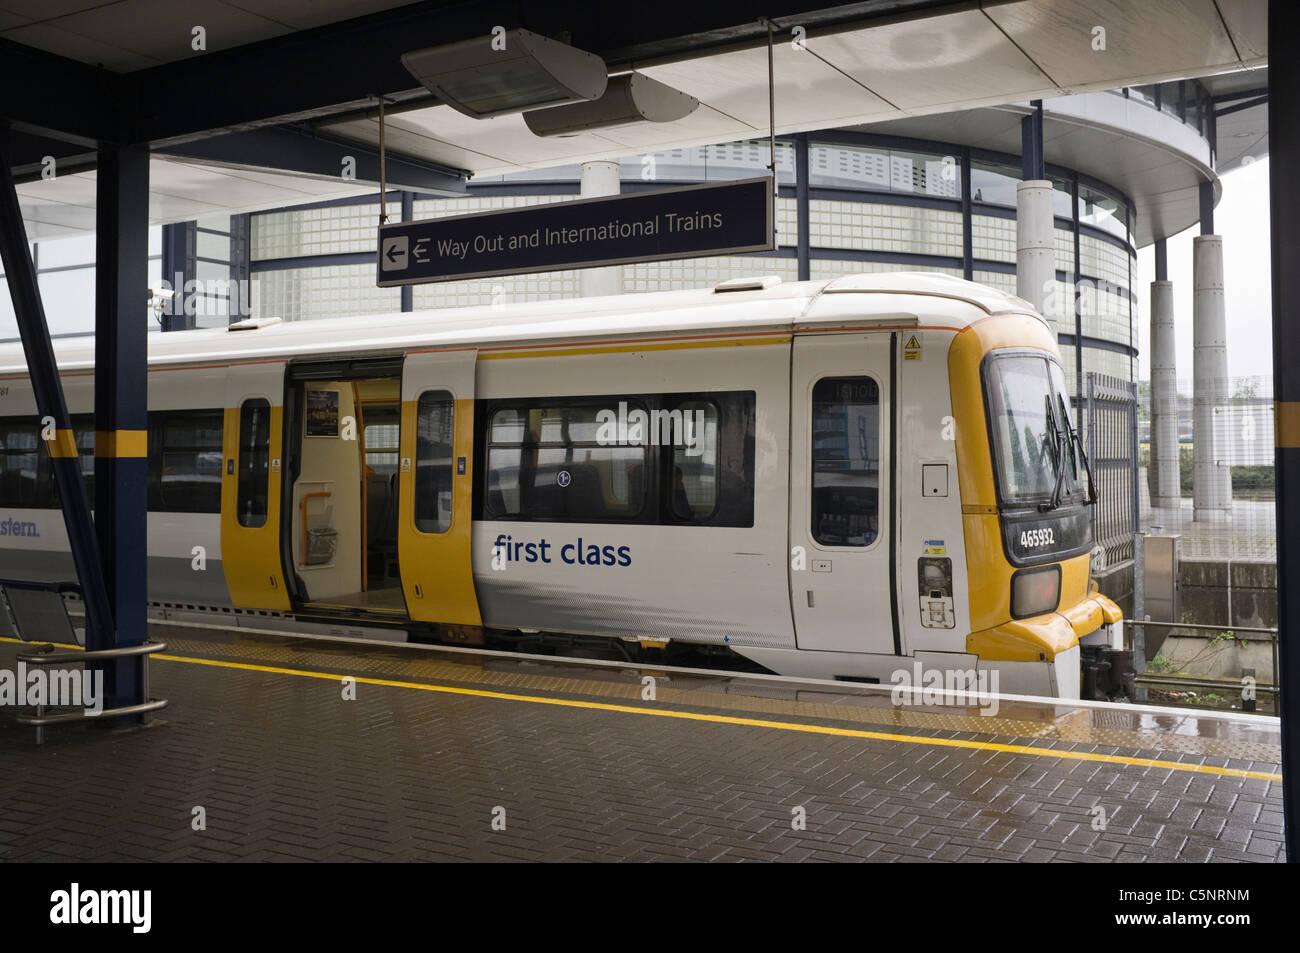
(1248, 483)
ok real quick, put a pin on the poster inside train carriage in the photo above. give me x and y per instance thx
(322, 413)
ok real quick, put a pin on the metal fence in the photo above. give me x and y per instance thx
(1241, 477)
(1111, 414)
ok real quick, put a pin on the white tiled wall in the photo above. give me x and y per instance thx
(327, 292)
(992, 238)
(820, 268)
(314, 231)
(898, 228)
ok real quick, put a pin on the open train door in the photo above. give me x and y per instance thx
(436, 480)
(250, 486)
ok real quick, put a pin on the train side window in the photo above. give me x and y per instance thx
(254, 462)
(694, 477)
(190, 462)
(845, 461)
(20, 464)
(434, 453)
(565, 460)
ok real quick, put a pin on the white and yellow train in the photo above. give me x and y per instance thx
(832, 478)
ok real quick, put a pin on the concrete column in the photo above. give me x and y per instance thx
(1036, 251)
(1211, 482)
(600, 178)
(1164, 397)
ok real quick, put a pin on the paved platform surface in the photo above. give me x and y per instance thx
(439, 751)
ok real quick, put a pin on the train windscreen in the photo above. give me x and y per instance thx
(1033, 447)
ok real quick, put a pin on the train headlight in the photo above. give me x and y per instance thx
(1035, 591)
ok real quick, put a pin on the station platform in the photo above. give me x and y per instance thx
(448, 754)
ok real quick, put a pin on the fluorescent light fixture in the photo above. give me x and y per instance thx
(505, 73)
(629, 98)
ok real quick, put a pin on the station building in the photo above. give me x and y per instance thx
(1128, 168)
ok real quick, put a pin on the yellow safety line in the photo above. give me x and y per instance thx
(729, 719)
(749, 722)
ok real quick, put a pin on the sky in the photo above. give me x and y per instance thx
(1241, 217)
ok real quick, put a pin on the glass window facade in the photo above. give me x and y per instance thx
(906, 215)
(884, 170)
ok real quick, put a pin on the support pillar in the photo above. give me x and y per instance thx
(47, 388)
(1284, 215)
(179, 270)
(1211, 478)
(408, 215)
(802, 206)
(121, 424)
(599, 179)
(241, 268)
(1036, 250)
(1163, 474)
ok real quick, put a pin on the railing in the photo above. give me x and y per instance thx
(22, 615)
(1242, 633)
(45, 655)
(1110, 407)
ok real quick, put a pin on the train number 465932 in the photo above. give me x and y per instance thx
(1033, 538)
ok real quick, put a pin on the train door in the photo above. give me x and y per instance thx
(250, 487)
(841, 492)
(342, 520)
(437, 479)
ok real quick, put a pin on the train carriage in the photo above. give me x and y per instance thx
(835, 478)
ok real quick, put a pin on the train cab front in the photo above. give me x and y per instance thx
(1027, 496)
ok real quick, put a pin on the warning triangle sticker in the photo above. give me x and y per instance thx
(912, 343)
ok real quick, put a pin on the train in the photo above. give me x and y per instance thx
(835, 479)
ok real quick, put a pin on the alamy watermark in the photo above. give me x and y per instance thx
(937, 686)
(202, 297)
(78, 905)
(1097, 298)
(57, 688)
(654, 428)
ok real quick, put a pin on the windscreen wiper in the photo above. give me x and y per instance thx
(1058, 441)
(1077, 442)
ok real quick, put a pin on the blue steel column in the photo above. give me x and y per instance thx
(1284, 216)
(241, 241)
(967, 219)
(48, 389)
(1076, 296)
(801, 201)
(179, 267)
(1031, 144)
(121, 426)
(408, 215)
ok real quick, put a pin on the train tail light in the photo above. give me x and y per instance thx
(1035, 591)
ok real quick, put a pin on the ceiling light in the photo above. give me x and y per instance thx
(629, 98)
(510, 72)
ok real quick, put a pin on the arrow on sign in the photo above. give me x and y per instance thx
(393, 253)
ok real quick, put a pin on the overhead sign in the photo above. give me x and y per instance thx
(689, 222)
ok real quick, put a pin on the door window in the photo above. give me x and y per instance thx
(254, 462)
(434, 450)
(846, 461)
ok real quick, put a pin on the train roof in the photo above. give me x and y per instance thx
(749, 304)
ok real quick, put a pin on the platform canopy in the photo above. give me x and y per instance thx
(282, 90)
